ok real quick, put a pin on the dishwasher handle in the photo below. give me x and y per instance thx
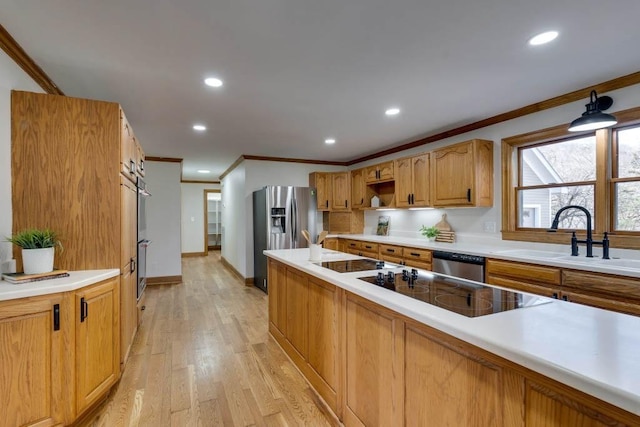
(464, 258)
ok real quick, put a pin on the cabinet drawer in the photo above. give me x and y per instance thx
(391, 258)
(351, 244)
(601, 285)
(529, 272)
(417, 255)
(391, 250)
(607, 304)
(418, 264)
(523, 286)
(369, 247)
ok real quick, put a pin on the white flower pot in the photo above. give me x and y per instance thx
(37, 260)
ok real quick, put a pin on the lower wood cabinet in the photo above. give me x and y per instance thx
(31, 359)
(375, 367)
(59, 354)
(97, 341)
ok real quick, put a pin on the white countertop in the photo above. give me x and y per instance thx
(593, 350)
(558, 258)
(76, 280)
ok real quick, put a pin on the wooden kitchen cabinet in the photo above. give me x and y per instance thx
(304, 315)
(391, 253)
(606, 291)
(31, 361)
(322, 183)
(373, 375)
(340, 191)
(97, 341)
(411, 257)
(412, 181)
(331, 243)
(536, 279)
(358, 189)
(379, 173)
(462, 174)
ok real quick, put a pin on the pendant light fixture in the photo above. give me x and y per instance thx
(594, 118)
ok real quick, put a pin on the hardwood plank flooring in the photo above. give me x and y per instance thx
(203, 357)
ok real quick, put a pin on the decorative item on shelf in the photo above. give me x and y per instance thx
(430, 232)
(446, 234)
(383, 226)
(446, 237)
(38, 249)
(375, 202)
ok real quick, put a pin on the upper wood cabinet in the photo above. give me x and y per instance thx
(75, 147)
(379, 173)
(462, 174)
(340, 191)
(31, 385)
(412, 181)
(322, 183)
(131, 153)
(358, 189)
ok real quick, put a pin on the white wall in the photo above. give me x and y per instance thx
(470, 222)
(193, 217)
(237, 203)
(11, 77)
(164, 256)
(234, 219)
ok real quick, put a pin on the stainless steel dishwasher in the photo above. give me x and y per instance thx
(465, 266)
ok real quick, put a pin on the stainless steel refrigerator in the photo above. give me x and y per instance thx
(279, 215)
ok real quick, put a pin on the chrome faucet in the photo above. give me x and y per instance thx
(589, 240)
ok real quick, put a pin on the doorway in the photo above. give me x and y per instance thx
(213, 220)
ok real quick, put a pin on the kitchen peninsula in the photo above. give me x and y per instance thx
(381, 358)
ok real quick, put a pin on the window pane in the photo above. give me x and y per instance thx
(566, 161)
(629, 152)
(627, 206)
(537, 208)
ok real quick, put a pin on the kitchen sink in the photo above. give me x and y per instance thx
(530, 253)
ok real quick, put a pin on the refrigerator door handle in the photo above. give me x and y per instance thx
(294, 220)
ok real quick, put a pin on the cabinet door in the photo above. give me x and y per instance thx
(453, 175)
(31, 361)
(322, 182)
(128, 226)
(331, 243)
(444, 383)
(139, 158)
(386, 171)
(373, 379)
(341, 189)
(128, 165)
(128, 311)
(404, 182)
(371, 174)
(323, 331)
(277, 296)
(97, 341)
(420, 180)
(358, 189)
(297, 303)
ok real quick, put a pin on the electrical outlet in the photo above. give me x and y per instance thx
(489, 227)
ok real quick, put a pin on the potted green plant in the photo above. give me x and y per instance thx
(38, 249)
(430, 232)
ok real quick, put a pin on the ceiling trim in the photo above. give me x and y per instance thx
(24, 61)
(193, 181)
(162, 159)
(244, 157)
(617, 83)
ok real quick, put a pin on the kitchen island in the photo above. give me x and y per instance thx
(378, 357)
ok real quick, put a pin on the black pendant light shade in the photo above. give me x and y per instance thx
(594, 118)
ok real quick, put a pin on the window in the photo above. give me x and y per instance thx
(546, 170)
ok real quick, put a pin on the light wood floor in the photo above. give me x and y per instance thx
(203, 357)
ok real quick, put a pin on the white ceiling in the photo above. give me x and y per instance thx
(298, 71)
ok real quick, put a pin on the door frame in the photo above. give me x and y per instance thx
(206, 220)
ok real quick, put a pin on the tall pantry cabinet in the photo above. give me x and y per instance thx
(74, 166)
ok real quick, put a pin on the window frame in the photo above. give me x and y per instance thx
(603, 189)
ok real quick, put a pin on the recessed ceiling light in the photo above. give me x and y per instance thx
(199, 128)
(213, 82)
(392, 111)
(203, 171)
(330, 141)
(543, 38)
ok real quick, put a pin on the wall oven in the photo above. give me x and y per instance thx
(143, 242)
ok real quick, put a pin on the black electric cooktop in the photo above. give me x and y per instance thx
(362, 264)
(471, 299)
